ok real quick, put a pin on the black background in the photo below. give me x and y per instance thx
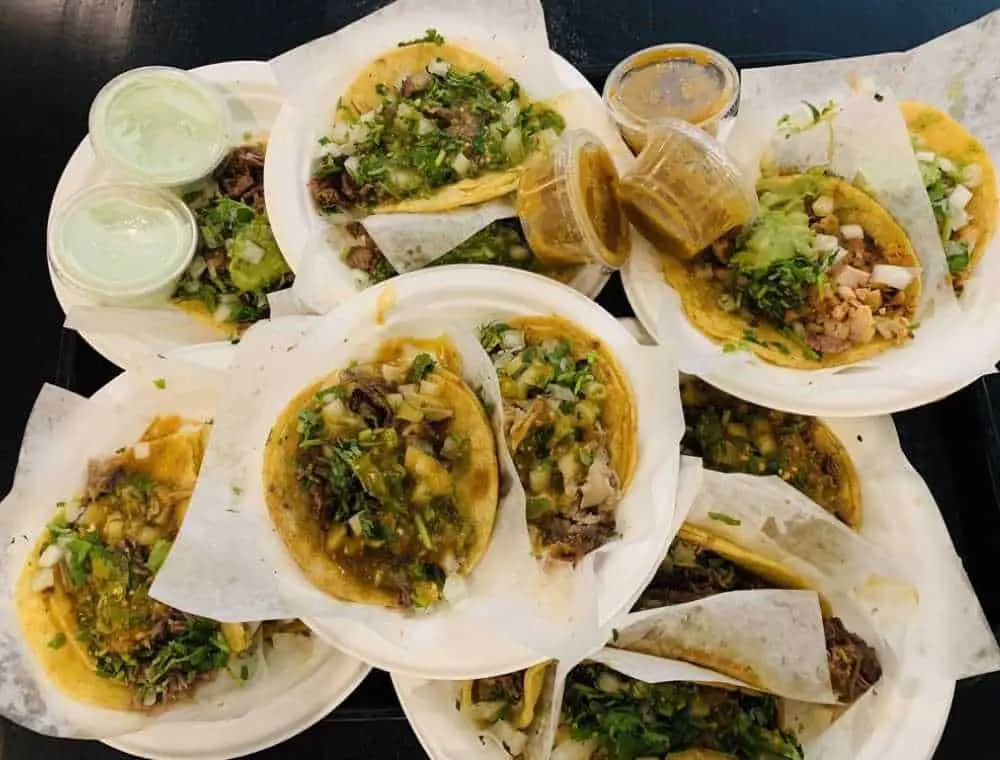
(55, 55)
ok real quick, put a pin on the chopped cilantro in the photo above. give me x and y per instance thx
(431, 35)
(957, 253)
(423, 365)
(160, 383)
(724, 518)
(158, 554)
(57, 641)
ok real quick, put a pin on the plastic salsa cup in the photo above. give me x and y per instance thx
(568, 206)
(160, 125)
(677, 80)
(684, 191)
(122, 244)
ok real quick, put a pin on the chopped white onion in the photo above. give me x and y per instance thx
(958, 217)
(892, 276)
(52, 554)
(850, 277)
(461, 164)
(355, 524)
(43, 579)
(340, 132)
(406, 111)
(336, 410)
(222, 312)
(972, 175)
(141, 450)
(456, 588)
(438, 67)
(926, 156)
(947, 165)
(513, 740)
(519, 252)
(842, 253)
(960, 196)
(512, 145)
(425, 126)
(512, 340)
(197, 267)
(826, 243)
(510, 113)
(352, 165)
(359, 133)
(823, 206)
(852, 231)
(560, 393)
(249, 251)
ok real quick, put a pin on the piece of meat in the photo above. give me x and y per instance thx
(862, 324)
(893, 328)
(852, 277)
(362, 257)
(571, 538)
(368, 400)
(826, 344)
(854, 665)
(241, 176)
(600, 489)
(339, 191)
(414, 83)
(459, 122)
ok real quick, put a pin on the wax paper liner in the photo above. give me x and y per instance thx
(161, 329)
(63, 433)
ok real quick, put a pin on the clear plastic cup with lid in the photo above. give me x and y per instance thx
(160, 125)
(568, 205)
(675, 80)
(685, 191)
(121, 244)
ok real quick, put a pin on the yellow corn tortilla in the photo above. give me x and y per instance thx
(699, 298)
(534, 684)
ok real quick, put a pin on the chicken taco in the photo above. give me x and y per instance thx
(428, 127)
(732, 435)
(700, 564)
(570, 423)
(961, 183)
(821, 276)
(510, 707)
(382, 480)
(83, 596)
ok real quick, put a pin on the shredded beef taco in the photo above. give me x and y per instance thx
(428, 127)
(382, 480)
(83, 597)
(732, 435)
(821, 276)
(570, 423)
(700, 564)
(961, 183)
(508, 707)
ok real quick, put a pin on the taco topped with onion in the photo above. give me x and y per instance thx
(732, 435)
(961, 183)
(570, 422)
(428, 127)
(382, 480)
(509, 707)
(821, 276)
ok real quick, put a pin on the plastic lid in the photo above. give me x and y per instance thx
(122, 242)
(160, 125)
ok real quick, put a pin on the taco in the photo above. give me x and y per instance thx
(428, 127)
(570, 423)
(83, 596)
(700, 564)
(607, 715)
(732, 435)
(821, 276)
(509, 707)
(961, 183)
(382, 480)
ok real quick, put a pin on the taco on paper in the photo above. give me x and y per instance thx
(382, 480)
(570, 423)
(428, 126)
(732, 435)
(961, 183)
(821, 276)
(83, 596)
(700, 564)
(509, 707)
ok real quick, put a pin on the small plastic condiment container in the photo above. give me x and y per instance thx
(122, 245)
(568, 205)
(684, 190)
(160, 125)
(677, 80)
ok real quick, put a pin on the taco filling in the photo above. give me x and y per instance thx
(620, 718)
(570, 427)
(435, 117)
(732, 435)
(506, 706)
(238, 261)
(691, 571)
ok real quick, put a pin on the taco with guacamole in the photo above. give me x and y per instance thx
(700, 564)
(733, 435)
(821, 276)
(83, 596)
(428, 126)
(961, 183)
(382, 480)
(510, 707)
(570, 423)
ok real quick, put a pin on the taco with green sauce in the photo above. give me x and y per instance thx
(822, 276)
(570, 423)
(382, 480)
(961, 183)
(428, 127)
(733, 435)
(700, 564)
(510, 707)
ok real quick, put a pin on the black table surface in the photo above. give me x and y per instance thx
(55, 55)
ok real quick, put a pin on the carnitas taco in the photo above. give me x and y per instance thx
(700, 564)
(509, 708)
(961, 183)
(570, 423)
(382, 480)
(732, 435)
(428, 126)
(821, 276)
(83, 596)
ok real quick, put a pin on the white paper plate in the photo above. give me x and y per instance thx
(294, 218)
(254, 102)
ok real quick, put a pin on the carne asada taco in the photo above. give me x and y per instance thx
(570, 423)
(83, 597)
(608, 716)
(508, 707)
(428, 127)
(961, 183)
(700, 564)
(821, 276)
(732, 435)
(382, 480)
